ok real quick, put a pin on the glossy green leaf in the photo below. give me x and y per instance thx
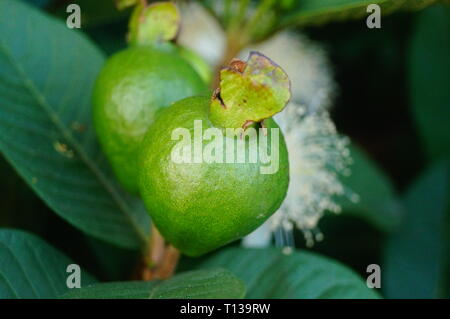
(202, 284)
(429, 66)
(46, 77)
(268, 273)
(314, 12)
(378, 203)
(114, 263)
(416, 258)
(39, 3)
(30, 268)
(93, 13)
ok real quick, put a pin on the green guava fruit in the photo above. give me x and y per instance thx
(132, 86)
(199, 204)
(137, 82)
(196, 61)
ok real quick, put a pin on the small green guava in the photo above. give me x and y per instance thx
(200, 205)
(136, 83)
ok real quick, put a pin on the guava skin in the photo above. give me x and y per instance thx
(196, 61)
(200, 207)
(132, 86)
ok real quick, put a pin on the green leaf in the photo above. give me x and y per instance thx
(39, 3)
(429, 78)
(313, 12)
(377, 203)
(30, 268)
(113, 263)
(202, 284)
(268, 273)
(416, 258)
(93, 13)
(46, 76)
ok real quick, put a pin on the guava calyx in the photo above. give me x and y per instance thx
(249, 92)
(154, 24)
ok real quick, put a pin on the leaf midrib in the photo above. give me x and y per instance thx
(290, 20)
(40, 99)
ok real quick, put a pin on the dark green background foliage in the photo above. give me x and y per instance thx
(393, 102)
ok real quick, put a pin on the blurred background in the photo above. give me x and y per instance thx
(388, 90)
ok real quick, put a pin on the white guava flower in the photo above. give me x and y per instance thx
(318, 157)
(201, 33)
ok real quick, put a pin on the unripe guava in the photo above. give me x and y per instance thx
(131, 88)
(199, 207)
(137, 82)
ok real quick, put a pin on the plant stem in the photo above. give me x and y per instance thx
(160, 260)
(240, 31)
(238, 17)
(261, 10)
(168, 264)
(227, 13)
(258, 19)
(234, 45)
(156, 252)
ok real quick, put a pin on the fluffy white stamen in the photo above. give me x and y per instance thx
(318, 155)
